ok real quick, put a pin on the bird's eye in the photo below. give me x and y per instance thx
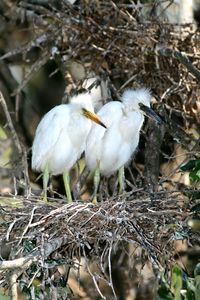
(141, 105)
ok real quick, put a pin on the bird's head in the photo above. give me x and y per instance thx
(139, 100)
(85, 105)
(84, 100)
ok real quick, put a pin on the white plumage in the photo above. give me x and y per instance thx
(110, 149)
(114, 146)
(61, 136)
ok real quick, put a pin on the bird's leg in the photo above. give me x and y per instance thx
(96, 182)
(45, 182)
(66, 180)
(76, 186)
(121, 179)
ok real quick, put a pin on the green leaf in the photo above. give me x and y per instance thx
(189, 166)
(189, 295)
(197, 270)
(28, 245)
(197, 287)
(177, 282)
(164, 292)
(190, 289)
(195, 175)
(193, 166)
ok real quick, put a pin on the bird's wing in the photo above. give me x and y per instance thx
(78, 129)
(111, 112)
(119, 142)
(95, 144)
(48, 133)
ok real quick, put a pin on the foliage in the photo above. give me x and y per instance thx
(180, 286)
(193, 166)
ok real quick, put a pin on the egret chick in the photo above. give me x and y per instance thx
(61, 137)
(107, 151)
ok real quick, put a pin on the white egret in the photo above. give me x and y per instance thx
(60, 139)
(107, 151)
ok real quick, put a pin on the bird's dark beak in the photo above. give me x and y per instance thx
(149, 112)
(92, 116)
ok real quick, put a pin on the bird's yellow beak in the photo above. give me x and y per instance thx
(92, 116)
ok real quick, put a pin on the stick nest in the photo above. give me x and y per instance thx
(87, 228)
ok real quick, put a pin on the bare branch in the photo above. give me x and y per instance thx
(25, 262)
(182, 57)
(14, 135)
(13, 284)
(21, 262)
(34, 68)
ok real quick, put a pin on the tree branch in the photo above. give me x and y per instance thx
(25, 262)
(10, 124)
(182, 57)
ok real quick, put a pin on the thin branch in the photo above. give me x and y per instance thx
(33, 69)
(93, 277)
(182, 57)
(127, 82)
(25, 262)
(13, 284)
(29, 223)
(10, 124)
(21, 262)
(110, 270)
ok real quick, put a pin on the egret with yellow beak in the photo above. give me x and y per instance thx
(61, 137)
(107, 151)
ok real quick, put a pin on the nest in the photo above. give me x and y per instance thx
(37, 231)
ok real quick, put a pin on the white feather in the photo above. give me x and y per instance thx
(61, 136)
(114, 147)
